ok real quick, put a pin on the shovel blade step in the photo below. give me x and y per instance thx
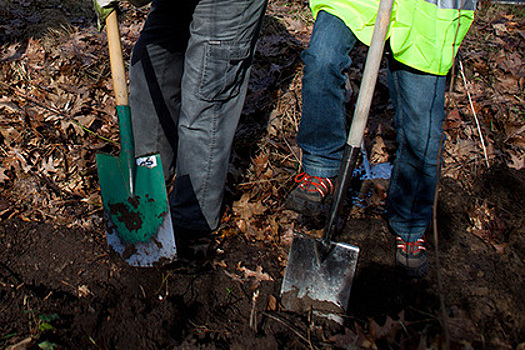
(317, 281)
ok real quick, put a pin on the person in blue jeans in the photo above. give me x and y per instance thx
(418, 98)
(189, 75)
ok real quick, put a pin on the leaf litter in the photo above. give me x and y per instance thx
(57, 112)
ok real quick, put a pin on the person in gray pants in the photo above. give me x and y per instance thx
(188, 80)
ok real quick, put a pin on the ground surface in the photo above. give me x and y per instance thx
(62, 288)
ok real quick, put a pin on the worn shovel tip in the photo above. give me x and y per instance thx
(318, 282)
(157, 251)
(293, 302)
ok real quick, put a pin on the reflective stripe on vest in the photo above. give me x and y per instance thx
(424, 35)
(469, 5)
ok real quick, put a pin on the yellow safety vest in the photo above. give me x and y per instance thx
(424, 34)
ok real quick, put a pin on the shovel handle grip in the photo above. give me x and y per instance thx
(118, 72)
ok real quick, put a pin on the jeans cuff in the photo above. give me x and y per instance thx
(318, 171)
(407, 234)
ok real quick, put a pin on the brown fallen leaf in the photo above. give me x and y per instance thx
(261, 164)
(258, 274)
(83, 291)
(272, 303)
(487, 225)
(3, 177)
(246, 209)
(234, 276)
(348, 339)
(389, 329)
(516, 161)
(220, 263)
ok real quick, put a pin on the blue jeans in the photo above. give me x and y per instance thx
(419, 100)
(189, 75)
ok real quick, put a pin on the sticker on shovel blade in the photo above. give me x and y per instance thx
(148, 162)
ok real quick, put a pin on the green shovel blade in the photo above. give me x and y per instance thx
(135, 217)
(133, 190)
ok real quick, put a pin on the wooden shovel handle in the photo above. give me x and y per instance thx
(368, 82)
(117, 62)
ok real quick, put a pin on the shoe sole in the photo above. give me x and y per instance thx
(413, 272)
(304, 206)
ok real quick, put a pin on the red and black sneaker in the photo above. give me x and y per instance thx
(310, 194)
(411, 257)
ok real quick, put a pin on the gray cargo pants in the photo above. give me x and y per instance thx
(188, 80)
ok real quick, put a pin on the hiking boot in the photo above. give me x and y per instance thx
(311, 193)
(411, 257)
(194, 244)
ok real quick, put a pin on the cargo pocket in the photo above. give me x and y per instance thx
(225, 66)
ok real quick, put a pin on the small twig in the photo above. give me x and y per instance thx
(93, 342)
(4, 151)
(143, 291)
(403, 326)
(474, 113)
(298, 159)
(253, 313)
(285, 323)
(164, 281)
(257, 182)
(205, 329)
(310, 326)
(284, 157)
(431, 317)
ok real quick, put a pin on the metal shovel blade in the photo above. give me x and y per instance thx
(318, 281)
(138, 222)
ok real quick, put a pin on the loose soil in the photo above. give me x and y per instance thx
(61, 287)
(99, 302)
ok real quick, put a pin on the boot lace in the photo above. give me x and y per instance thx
(411, 247)
(322, 185)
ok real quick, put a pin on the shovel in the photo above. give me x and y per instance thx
(319, 273)
(136, 210)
